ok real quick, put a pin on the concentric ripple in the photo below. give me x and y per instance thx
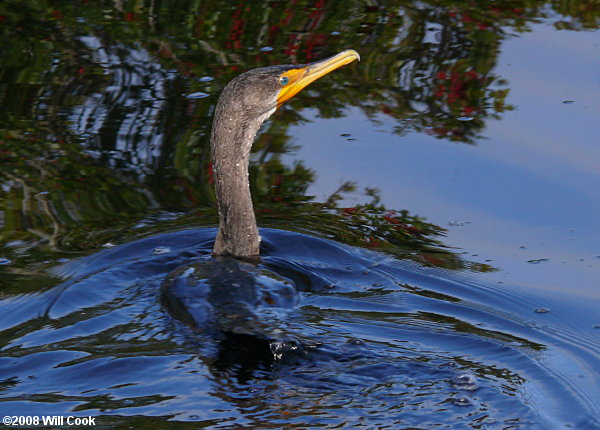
(370, 342)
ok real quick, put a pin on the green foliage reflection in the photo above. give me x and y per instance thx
(107, 106)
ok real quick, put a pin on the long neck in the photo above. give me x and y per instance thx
(231, 141)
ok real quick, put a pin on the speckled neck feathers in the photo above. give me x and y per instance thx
(245, 103)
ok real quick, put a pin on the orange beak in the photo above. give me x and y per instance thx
(300, 78)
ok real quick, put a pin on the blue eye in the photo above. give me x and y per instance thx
(284, 80)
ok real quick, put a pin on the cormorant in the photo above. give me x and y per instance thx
(231, 297)
(245, 103)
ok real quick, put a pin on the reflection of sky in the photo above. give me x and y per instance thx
(534, 182)
(137, 94)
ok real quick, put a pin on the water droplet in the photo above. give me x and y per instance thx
(537, 261)
(161, 250)
(465, 381)
(542, 310)
(197, 95)
(205, 79)
(465, 118)
(4, 260)
(458, 223)
(266, 49)
(461, 401)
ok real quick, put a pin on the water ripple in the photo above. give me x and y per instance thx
(367, 334)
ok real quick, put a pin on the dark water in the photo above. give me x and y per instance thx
(381, 343)
(434, 208)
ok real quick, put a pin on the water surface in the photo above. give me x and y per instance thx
(434, 206)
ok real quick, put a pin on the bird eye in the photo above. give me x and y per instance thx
(283, 81)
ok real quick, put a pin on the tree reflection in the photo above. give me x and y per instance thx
(99, 129)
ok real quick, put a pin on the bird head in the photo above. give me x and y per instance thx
(262, 90)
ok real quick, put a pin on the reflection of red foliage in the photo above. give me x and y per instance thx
(349, 211)
(390, 219)
(237, 28)
(413, 231)
(187, 67)
(432, 260)
(472, 23)
(129, 16)
(465, 17)
(315, 40)
(441, 131)
(373, 243)
(316, 15)
(386, 109)
(453, 86)
(292, 46)
(211, 174)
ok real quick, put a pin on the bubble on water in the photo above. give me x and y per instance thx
(461, 401)
(108, 245)
(597, 326)
(205, 79)
(345, 134)
(537, 261)
(355, 341)
(465, 381)
(568, 102)
(197, 95)
(18, 242)
(335, 33)
(286, 349)
(458, 223)
(266, 49)
(465, 118)
(161, 250)
(4, 260)
(542, 310)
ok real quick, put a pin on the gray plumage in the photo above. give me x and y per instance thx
(245, 103)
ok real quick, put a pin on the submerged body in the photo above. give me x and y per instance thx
(230, 293)
(224, 294)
